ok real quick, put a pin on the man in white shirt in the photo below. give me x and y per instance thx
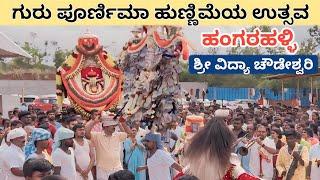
(311, 110)
(261, 155)
(14, 156)
(107, 143)
(159, 161)
(63, 157)
(84, 154)
(3, 147)
(313, 171)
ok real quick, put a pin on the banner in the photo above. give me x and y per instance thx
(141, 12)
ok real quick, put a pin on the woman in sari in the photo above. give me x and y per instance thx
(135, 155)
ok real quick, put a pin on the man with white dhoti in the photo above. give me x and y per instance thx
(261, 155)
(84, 153)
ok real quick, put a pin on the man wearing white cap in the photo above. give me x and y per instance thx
(107, 144)
(13, 157)
(63, 157)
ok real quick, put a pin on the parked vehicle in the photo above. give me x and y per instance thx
(45, 103)
(28, 99)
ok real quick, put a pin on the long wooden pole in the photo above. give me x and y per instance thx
(298, 88)
(311, 89)
(22, 96)
(317, 94)
(282, 90)
(298, 92)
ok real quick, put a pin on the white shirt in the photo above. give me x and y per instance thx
(315, 155)
(36, 156)
(310, 113)
(3, 148)
(83, 158)
(4, 144)
(159, 164)
(267, 165)
(141, 133)
(16, 160)
(66, 162)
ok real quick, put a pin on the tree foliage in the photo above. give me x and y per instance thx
(60, 56)
(315, 34)
(25, 63)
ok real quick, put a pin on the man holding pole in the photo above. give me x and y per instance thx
(107, 143)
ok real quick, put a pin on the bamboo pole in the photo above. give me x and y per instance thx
(311, 89)
(22, 96)
(298, 88)
(298, 92)
(282, 90)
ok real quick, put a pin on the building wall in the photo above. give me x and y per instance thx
(194, 86)
(229, 94)
(31, 87)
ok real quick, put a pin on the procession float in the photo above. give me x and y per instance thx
(89, 77)
(150, 62)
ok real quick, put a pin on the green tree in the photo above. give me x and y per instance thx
(37, 55)
(308, 47)
(315, 34)
(60, 56)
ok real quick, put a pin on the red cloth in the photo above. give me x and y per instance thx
(52, 129)
(246, 176)
(91, 72)
(228, 176)
(178, 176)
(49, 149)
(243, 176)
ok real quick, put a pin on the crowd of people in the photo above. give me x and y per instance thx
(282, 141)
(275, 142)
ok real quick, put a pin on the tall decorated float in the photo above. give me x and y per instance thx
(150, 62)
(89, 77)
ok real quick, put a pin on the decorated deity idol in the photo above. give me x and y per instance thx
(89, 77)
(150, 61)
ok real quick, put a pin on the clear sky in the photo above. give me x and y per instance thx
(112, 37)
